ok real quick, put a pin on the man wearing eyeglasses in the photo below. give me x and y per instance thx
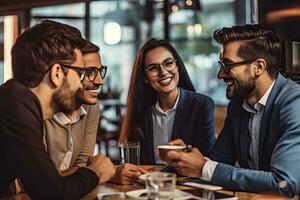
(71, 136)
(262, 129)
(48, 68)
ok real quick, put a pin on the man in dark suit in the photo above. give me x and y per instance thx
(262, 129)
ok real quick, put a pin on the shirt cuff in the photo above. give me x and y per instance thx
(209, 169)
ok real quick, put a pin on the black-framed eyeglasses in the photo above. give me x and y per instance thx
(80, 70)
(226, 67)
(154, 69)
(92, 72)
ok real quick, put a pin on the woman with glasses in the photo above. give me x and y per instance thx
(71, 137)
(162, 106)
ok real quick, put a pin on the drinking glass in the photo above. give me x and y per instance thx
(160, 186)
(130, 152)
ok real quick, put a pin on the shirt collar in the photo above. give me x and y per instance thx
(63, 119)
(158, 108)
(264, 99)
(261, 103)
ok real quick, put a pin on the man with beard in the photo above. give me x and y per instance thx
(48, 68)
(262, 129)
(71, 136)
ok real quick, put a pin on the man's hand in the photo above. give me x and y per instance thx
(127, 174)
(102, 166)
(177, 142)
(188, 164)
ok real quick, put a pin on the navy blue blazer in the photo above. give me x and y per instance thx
(279, 144)
(194, 124)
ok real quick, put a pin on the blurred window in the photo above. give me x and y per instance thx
(191, 32)
(120, 28)
(8, 33)
(72, 14)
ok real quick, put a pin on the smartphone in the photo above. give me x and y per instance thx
(111, 196)
(209, 195)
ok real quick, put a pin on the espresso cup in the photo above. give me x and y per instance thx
(163, 150)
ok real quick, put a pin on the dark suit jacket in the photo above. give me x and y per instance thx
(279, 144)
(194, 124)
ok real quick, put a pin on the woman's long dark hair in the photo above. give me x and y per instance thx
(141, 97)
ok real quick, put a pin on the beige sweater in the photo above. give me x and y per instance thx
(83, 133)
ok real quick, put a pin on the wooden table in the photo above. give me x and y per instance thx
(111, 187)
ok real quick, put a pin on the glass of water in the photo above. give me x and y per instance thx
(160, 186)
(130, 152)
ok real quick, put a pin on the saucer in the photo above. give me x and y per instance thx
(179, 195)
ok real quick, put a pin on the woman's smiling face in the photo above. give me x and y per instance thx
(166, 81)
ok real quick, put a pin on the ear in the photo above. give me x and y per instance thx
(260, 66)
(56, 75)
(221, 53)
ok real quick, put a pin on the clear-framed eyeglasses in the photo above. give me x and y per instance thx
(154, 69)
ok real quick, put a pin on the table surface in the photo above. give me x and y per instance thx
(111, 187)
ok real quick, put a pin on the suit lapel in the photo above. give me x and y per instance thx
(148, 142)
(279, 83)
(181, 114)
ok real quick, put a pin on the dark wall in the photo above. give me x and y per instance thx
(284, 17)
(281, 15)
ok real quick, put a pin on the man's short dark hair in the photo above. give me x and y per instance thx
(41, 46)
(257, 42)
(90, 48)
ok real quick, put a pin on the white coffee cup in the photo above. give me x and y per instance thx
(163, 150)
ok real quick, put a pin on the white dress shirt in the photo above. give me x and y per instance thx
(163, 122)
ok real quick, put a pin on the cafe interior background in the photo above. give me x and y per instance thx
(120, 27)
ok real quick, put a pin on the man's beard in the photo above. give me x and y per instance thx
(79, 99)
(243, 90)
(65, 99)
